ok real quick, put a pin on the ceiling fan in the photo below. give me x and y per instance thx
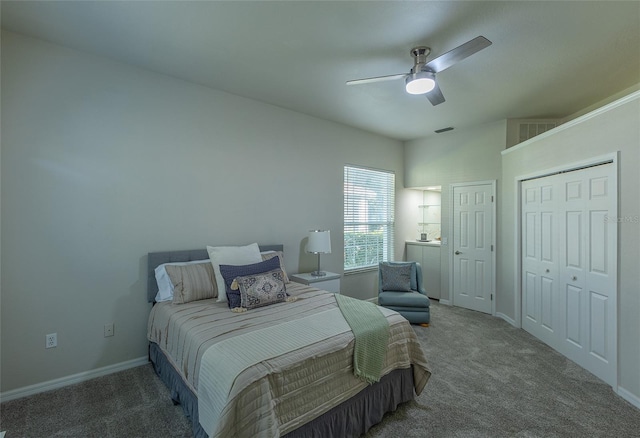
(422, 77)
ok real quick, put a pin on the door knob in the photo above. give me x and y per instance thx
(574, 278)
(457, 252)
(547, 271)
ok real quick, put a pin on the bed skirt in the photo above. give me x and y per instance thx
(351, 418)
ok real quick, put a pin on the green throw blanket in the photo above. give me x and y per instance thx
(371, 330)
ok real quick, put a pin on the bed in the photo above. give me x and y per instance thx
(306, 391)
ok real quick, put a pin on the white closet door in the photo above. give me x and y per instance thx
(588, 269)
(569, 265)
(540, 313)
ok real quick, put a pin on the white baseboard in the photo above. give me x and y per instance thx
(506, 318)
(446, 302)
(631, 398)
(71, 380)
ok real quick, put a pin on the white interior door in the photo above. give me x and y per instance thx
(472, 235)
(540, 315)
(569, 265)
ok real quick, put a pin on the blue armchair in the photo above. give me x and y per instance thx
(400, 288)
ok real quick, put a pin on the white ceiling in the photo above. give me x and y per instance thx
(548, 59)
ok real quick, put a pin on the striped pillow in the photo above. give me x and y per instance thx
(266, 255)
(192, 282)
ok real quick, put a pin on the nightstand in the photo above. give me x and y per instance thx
(329, 282)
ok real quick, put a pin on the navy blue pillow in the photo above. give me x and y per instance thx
(230, 272)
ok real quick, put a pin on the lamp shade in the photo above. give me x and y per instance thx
(319, 242)
(420, 83)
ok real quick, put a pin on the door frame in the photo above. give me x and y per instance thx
(453, 186)
(614, 159)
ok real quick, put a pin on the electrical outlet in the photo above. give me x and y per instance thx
(108, 330)
(51, 340)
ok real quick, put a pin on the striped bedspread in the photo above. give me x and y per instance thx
(282, 392)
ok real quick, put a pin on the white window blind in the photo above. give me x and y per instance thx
(369, 223)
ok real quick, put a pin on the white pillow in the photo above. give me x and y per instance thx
(231, 255)
(165, 286)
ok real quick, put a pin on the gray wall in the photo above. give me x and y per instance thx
(475, 154)
(103, 162)
(454, 157)
(605, 133)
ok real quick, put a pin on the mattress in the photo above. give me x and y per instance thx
(300, 385)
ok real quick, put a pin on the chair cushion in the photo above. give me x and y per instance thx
(403, 299)
(396, 276)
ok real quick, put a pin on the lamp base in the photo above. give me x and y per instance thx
(318, 273)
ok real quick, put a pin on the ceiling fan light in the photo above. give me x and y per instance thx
(420, 83)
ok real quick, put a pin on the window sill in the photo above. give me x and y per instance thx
(360, 270)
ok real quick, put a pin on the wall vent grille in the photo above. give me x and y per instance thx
(527, 130)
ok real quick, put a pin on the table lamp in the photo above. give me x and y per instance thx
(319, 243)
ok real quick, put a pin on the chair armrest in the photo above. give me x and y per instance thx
(419, 279)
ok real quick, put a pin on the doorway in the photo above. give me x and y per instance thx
(473, 245)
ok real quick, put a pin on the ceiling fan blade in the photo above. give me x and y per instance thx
(376, 79)
(453, 56)
(435, 96)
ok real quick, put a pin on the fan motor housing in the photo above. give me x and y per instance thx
(419, 54)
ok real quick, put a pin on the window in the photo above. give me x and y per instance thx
(369, 205)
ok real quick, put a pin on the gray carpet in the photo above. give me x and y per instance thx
(493, 380)
(489, 380)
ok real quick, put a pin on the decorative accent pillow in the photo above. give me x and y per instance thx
(191, 282)
(230, 272)
(165, 286)
(396, 277)
(266, 255)
(231, 255)
(262, 289)
(414, 274)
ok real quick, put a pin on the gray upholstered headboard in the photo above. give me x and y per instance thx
(154, 259)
